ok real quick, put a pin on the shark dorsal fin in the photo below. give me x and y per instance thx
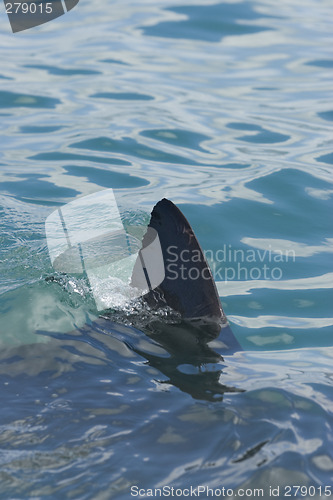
(188, 286)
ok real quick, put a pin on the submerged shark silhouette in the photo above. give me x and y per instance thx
(188, 288)
(194, 315)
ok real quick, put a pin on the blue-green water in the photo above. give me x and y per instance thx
(225, 108)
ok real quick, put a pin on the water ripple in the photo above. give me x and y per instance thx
(226, 108)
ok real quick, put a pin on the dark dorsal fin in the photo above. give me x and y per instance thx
(188, 286)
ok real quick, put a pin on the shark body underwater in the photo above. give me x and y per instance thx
(180, 328)
(199, 318)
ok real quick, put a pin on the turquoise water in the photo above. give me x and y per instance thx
(226, 109)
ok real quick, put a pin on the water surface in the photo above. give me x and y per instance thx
(225, 108)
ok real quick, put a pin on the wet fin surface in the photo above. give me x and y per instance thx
(188, 286)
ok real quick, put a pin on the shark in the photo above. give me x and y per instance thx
(180, 328)
(188, 286)
(188, 290)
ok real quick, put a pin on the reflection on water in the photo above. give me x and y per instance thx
(16, 100)
(98, 401)
(225, 108)
(209, 22)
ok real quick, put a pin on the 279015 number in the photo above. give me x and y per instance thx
(28, 8)
(307, 491)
